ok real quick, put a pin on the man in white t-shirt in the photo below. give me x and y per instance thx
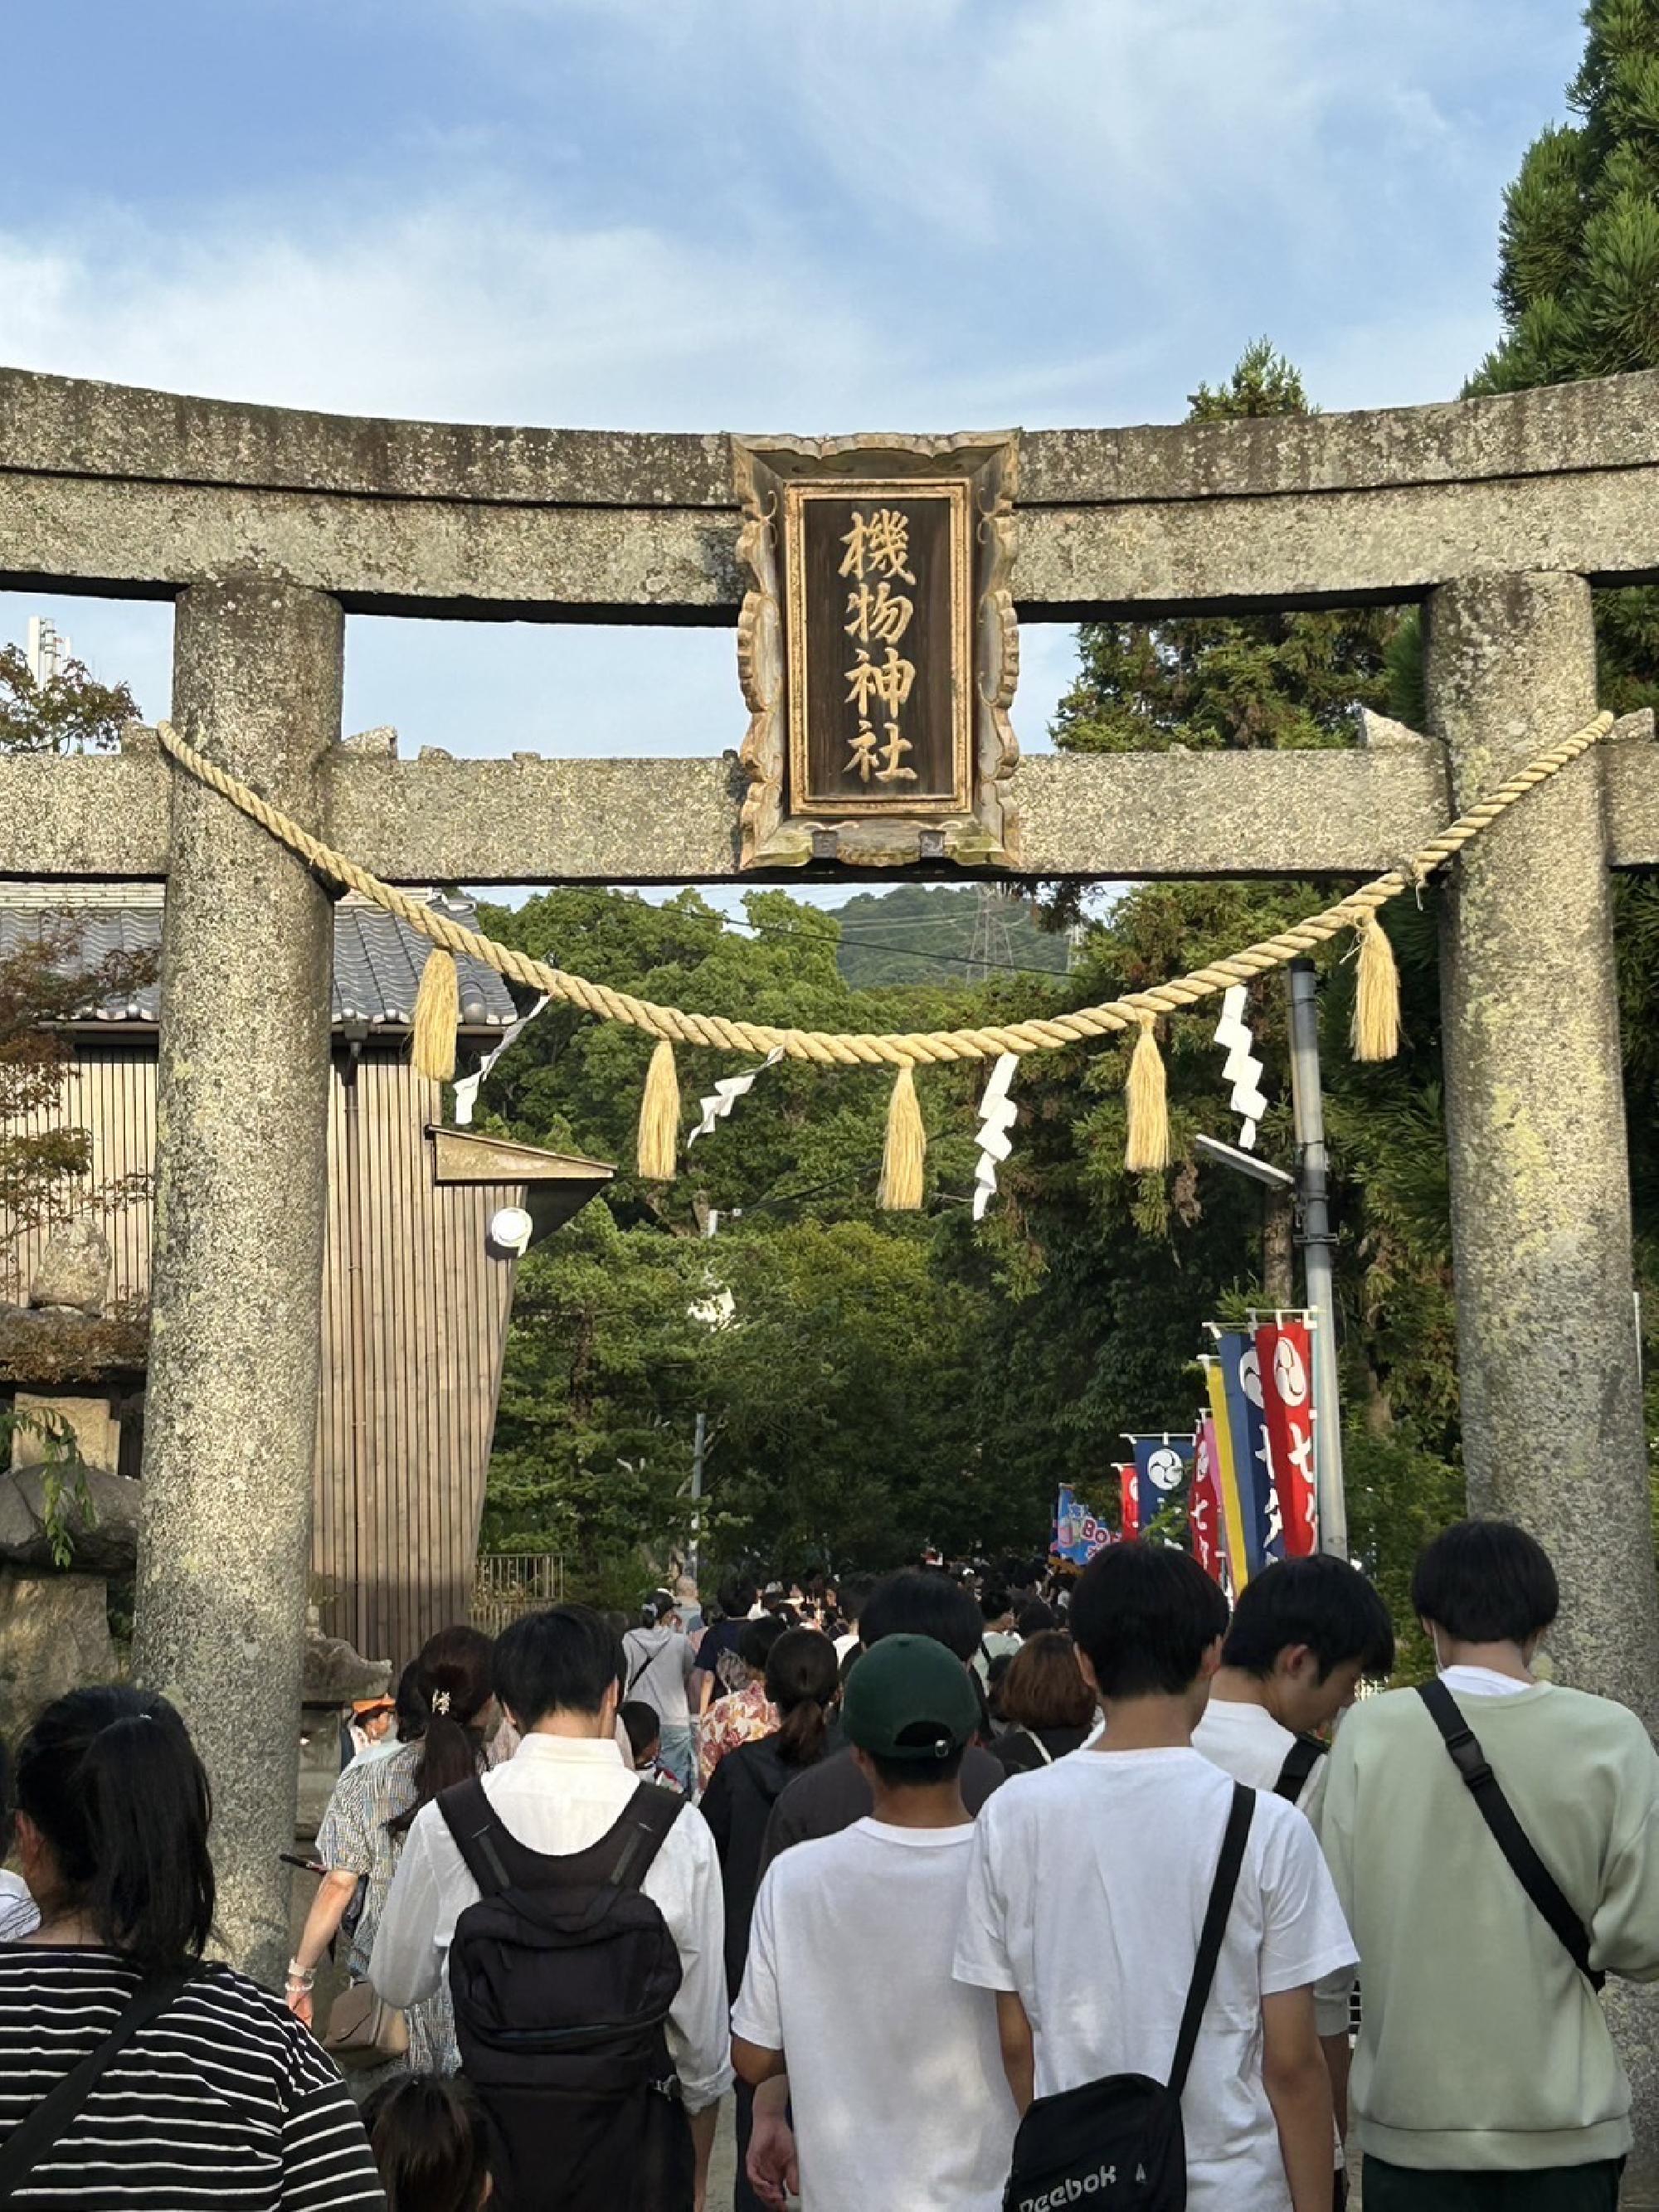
(1088, 1889)
(899, 2102)
(1304, 1634)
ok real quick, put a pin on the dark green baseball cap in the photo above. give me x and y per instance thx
(909, 1699)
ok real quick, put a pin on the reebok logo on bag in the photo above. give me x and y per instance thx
(1119, 2143)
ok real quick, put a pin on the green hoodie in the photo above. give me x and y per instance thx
(1483, 2047)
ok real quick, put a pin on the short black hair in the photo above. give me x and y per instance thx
(853, 1591)
(1486, 1581)
(1145, 1614)
(994, 1601)
(1035, 1619)
(918, 1773)
(736, 1597)
(915, 1602)
(1321, 1601)
(564, 1660)
(643, 1724)
(755, 1644)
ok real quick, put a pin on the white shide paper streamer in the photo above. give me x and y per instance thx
(466, 1091)
(728, 1089)
(998, 1113)
(1241, 1068)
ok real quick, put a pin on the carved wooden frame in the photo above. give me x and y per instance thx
(985, 834)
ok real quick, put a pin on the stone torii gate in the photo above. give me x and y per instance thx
(266, 527)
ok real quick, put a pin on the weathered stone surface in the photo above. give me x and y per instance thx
(104, 488)
(82, 1420)
(1548, 1365)
(56, 1350)
(104, 1544)
(67, 426)
(242, 1171)
(74, 1269)
(54, 1637)
(335, 1672)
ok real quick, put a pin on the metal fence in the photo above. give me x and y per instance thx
(508, 1584)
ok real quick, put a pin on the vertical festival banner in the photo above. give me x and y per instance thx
(1286, 1350)
(1204, 1519)
(1232, 1504)
(1078, 1533)
(1129, 1501)
(1161, 1466)
(1252, 1453)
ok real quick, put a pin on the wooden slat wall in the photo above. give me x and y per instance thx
(110, 1091)
(401, 1461)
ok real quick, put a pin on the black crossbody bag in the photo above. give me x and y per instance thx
(1511, 1838)
(1119, 2143)
(37, 2136)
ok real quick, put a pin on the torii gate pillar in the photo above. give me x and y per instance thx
(1547, 1359)
(240, 1207)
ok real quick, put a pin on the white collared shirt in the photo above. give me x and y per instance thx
(558, 1794)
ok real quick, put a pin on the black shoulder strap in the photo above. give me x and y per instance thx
(497, 1861)
(471, 1821)
(1300, 1760)
(54, 2115)
(644, 1661)
(1233, 1839)
(652, 1813)
(1511, 1838)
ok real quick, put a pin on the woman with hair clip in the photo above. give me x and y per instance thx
(803, 1681)
(125, 2058)
(369, 1815)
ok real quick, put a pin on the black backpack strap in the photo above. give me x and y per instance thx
(1511, 1838)
(497, 1861)
(57, 2112)
(1300, 1760)
(650, 1815)
(472, 1822)
(1233, 1839)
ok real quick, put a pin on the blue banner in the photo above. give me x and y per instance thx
(1161, 1466)
(1078, 1533)
(1241, 1373)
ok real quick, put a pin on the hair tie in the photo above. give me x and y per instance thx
(440, 1702)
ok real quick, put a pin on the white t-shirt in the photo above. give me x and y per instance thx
(896, 2075)
(1086, 1895)
(1483, 1682)
(1246, 1741)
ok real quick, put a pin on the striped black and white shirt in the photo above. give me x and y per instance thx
(224, 2101)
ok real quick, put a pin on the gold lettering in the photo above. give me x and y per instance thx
(877, 544)
(864, 752)
(882, 613)
(887, 682)
(896, 746)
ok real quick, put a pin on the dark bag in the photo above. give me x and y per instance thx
(39, 2136)
(1118, 2144)
(1300, 1760)
(1511, 1838)
(563, 1974)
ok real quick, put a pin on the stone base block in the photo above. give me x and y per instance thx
(54, 1637)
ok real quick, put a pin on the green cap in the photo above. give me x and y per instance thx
(909, 1698)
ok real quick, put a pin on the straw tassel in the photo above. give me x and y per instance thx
(659, 1116)
(1147, 1151)
(437, 1018)
(906, 1150)
(1376, 995)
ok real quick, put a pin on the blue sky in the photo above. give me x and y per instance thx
(763, 214)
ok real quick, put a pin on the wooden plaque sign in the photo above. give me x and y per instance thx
(878, 651)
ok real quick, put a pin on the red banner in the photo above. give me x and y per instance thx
(1129, 1491)
(1285, 1352)
(1204, 1506)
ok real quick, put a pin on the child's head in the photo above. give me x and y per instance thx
(427, 2137)
(644, 1725)
(1149, 1622)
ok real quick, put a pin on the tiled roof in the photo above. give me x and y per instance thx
(376, 961)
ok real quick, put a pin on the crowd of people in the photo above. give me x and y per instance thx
(975, 1893)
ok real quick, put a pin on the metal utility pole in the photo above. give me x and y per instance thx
(1318, 1247)
(699, 1446)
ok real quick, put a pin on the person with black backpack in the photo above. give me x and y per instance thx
(1495, 1841)
(576, 1909)
(1153, 1931)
